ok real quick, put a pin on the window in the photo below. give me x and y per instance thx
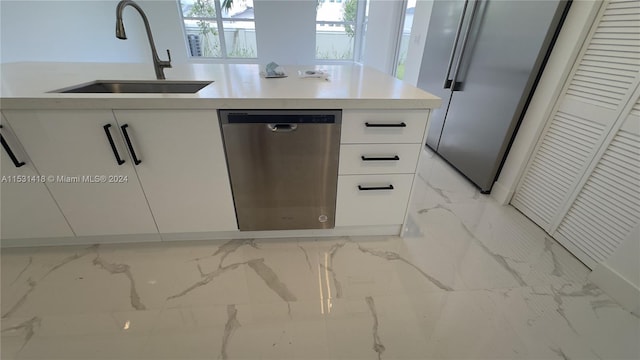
(403, 46)
(219, 28)
(339, 29)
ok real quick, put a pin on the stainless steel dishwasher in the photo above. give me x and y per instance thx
(283, 166)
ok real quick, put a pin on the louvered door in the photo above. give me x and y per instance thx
(607, 207)
(586, 118)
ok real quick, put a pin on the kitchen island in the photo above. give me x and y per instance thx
(102, 167)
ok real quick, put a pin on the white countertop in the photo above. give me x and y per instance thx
(27, 86)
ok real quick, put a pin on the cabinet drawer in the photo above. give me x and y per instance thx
(383, 126)
(378, 158)
(358, 206)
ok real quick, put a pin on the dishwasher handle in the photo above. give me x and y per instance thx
(282, 127)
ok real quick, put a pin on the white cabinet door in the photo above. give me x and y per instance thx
(372, 199)
(27, 208)
(70, 144)
(183, 169)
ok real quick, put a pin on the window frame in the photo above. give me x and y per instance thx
(219, 20)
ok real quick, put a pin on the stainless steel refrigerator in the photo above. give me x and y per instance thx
(484, 59)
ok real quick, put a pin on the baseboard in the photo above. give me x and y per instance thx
(220, 235)
(80, 240)
(338, 231)
(501, 193)
(616, 286)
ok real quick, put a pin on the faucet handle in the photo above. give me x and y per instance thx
(169, 55)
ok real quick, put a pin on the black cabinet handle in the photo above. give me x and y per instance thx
(113, 144)
(363, 188)
(387, 158)
(368, 124)
(128, 140)
(13, 157)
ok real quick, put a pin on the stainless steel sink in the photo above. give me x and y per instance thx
(132, 86)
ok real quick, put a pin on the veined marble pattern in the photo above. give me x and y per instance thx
(470, 280)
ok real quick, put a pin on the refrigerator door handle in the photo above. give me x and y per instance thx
(455, 85)
(447, 81)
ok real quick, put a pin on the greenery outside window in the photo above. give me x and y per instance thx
(219, 28)
(340, 29)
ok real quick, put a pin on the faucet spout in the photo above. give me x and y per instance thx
(158, 64)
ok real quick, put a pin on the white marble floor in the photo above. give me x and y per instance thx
(471, 280)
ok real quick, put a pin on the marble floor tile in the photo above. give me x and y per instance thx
(471, 279)
(372, 327)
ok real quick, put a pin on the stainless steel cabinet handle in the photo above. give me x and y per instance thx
(282, 127)
(17, 163)
(380, 158)
(364, 188)
(447, 81)
(455, 85)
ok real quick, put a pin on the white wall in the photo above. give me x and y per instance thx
(382, 34)
(421, 19)
(619, 275)
(84, 31)
(626, 259)
(286, 31)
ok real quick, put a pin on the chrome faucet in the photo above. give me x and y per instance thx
(158, 64)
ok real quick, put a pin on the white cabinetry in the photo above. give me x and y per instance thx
(372, 199)
(383, 126)
(151, 172)
(27, 208)
(70, 144)
(378, 158)
(183, 170)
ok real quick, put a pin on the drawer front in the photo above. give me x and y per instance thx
(383, 126)
(359, 206)
(378, 158)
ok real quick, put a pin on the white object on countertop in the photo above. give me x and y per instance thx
(319, 74)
